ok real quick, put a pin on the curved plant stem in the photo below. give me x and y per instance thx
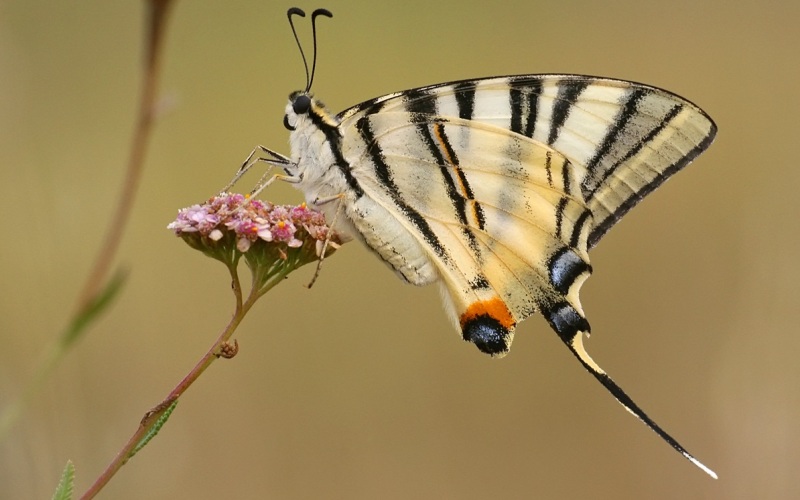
(158, 11)
(263, 280)
(151, 417)
(98, 287)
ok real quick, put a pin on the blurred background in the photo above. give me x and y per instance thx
(360, 388)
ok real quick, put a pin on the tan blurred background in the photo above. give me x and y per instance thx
(360, 388)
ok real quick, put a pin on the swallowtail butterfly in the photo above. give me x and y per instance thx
(493, 188)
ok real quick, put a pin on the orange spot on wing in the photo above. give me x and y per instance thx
(494, 308)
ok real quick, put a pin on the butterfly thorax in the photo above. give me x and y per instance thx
(314, 140)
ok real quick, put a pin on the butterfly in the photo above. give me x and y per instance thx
(493, 188)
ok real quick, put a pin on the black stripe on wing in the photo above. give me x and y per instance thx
(420, 101)
(463, 182)
(627, 112)
(586, 216)
(465, 99)
(602, 226)
(534, 91)
(517, 105)
(457, 199)
(565, 266)
(423, 111)
(334, 140)
(524, 106)
(567, 95)
(384, 174)
(548, 167)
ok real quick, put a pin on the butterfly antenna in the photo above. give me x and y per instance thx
(295, 11)
(318, 12)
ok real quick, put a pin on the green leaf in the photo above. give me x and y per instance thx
(66, 484)
(89, 313)
(154, 430)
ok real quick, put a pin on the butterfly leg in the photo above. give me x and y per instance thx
(273, 159)
(266, 180)
(570, 325)
(339, 205)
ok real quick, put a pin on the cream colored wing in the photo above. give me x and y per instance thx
(623, 138)
(501, 215)
(505, 183)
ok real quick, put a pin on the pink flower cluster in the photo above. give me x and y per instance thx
(250, 220)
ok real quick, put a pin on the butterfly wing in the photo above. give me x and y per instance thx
(506, 182)
(625, 138)
(500, 215)
(502, 185)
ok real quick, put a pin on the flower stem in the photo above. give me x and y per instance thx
(151, 417)
(236, 284)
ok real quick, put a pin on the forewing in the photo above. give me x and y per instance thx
(623, 138)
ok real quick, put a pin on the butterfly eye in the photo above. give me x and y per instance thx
(301, 104)
(287, 124)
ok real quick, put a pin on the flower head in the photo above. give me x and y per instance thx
(231, 225)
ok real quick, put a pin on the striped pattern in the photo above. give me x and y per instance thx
(496, 188)
(618, 132)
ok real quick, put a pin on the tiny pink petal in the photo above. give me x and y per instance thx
(265, 234)
(243, 244)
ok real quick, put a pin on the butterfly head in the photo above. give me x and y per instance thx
(303, 108)
(299, 105)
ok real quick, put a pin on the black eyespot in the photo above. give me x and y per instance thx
(286, 123)
(301, 104)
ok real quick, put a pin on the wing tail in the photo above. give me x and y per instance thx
(571, 326)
